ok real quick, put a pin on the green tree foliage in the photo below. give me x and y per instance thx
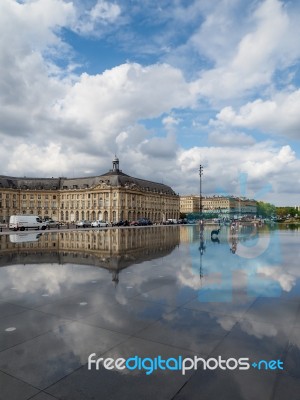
(283, 212)
(266, 210)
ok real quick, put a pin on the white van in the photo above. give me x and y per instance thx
(22, 222)
(172, 221)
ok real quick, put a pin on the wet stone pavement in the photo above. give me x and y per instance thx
(168, 292)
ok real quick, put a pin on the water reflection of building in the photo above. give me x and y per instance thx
(188, 233)
(113, 249)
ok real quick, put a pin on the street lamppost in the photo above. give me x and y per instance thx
(200, 202)
(202, 244)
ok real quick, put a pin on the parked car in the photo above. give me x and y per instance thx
(144, 222)
(134, 223)
(83, 224)
(52, 223)
(121, 223)
(98, 224)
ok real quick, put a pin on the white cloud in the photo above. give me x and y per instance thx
(105, 11)
(170, 121)
(264, 164)
(110, 102)
(269, 44)
(53, 122)
(279, 115)
(162, 147)
(100, 16)
(231, 139)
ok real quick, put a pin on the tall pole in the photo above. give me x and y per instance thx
(202, 245)
(200, 202)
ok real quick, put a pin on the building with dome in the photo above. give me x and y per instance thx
(112, 196)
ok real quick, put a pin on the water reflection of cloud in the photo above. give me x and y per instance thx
(286, 280)
(50, 278)
(273, 270)
(258, 329)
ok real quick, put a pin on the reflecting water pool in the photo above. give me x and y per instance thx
(181, 293)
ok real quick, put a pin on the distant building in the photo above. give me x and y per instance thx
(221, 205)
(112, 196)
(189, 204)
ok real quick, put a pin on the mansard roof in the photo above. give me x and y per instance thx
(114, 178)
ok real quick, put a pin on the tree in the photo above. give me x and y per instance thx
(266, 210)
(283, 212)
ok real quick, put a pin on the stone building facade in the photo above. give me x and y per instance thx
(112, 196)
(222, 205)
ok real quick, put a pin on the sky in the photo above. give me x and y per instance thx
(166, 85)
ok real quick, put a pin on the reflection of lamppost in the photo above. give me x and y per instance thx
(201, 249)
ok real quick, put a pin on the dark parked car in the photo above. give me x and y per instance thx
(144, 222)
(134, 223)
(121, 223)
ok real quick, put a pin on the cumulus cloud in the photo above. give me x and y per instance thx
(170, 121)
(45, 118)
(279, 115)
(99, 17)
(54, 122)
(232, 139)
(268, 45)
(160, 147)
(125, 94)
(262, 162)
